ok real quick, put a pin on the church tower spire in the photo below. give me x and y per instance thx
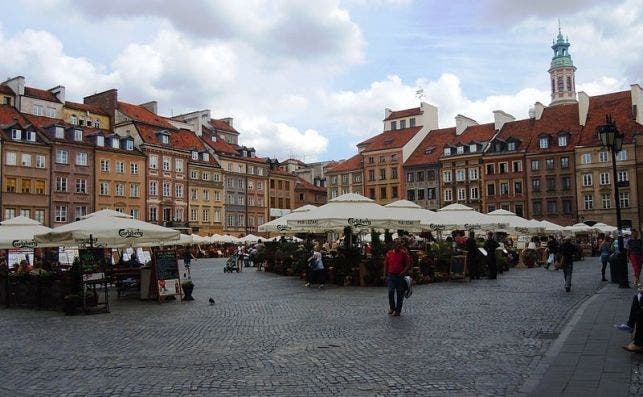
(561, 71)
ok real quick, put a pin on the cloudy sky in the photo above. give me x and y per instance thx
(310, 79)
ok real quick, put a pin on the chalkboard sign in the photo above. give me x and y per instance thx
(94, 260)
(458, 266)
(93, 264)
(167, 273)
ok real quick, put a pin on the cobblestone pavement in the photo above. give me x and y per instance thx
(269, 335)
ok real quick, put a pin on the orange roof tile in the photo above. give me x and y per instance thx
(522, 130)
(186, 139)
(619, 106)
(222, 125)
(44, 122)
(556, 119)
(302, 184)
(353, 163)
(10, 116)
(431, 147)
(392, 139)
(83, 107)
(219, 146)
(40, 94)
(141, 114)
(148, 133)
(404, 113)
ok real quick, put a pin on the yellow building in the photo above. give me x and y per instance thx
(85, 115)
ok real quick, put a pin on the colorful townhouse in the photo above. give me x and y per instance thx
(307, 193)
(345, 177)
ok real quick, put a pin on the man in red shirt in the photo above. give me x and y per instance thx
(396, 264)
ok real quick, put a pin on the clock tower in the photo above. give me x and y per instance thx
(561, 71)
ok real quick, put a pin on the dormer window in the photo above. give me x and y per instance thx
(213, 138)
(498, 147)
(60, 132)
(97, 123)
(402, 124)
(206, 156)
(447, 151)
(73, 119)
(388, 142)
(511, 146)
(89, 123)
(31, 136)
(116, 143)
(129, 144)
(165, 139)
(473, 148)
(195, 155)
(100, 140)
(543, 142)
(16, 134)
(562, 140)
(394, 125)
(412, 122)
(78, 135)
(459, 149)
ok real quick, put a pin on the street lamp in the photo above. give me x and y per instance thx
(612, 139)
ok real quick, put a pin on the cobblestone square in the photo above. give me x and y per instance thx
(270, 335)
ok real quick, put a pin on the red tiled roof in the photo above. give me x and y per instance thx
(83, 107)
(522, 130)
(142, 115)
(619, 106)
(392, 139)
(404, 113)
(220, 146)
(353, 163)
(149, 133)
(305, 185)
(556, 119)
(44, 122)
(40, 94)
(186, 139)
(434, 143)
(5, 89)
(10, 116)
(222, 125)
(476, 133)
(293, 161)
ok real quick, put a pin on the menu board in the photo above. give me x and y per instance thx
(167, 273)
(93, 264)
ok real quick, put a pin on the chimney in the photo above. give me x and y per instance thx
(583, 107)
(59, 92)
(105, 100)
(228, 121)
(532, 112)
(637, 103)
(429, 116)
(538, 110)
(462, 122)
(500, 118)
(17, 84)
(152, 106)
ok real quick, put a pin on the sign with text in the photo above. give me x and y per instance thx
(167, 273)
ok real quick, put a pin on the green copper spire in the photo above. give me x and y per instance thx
(561, 51)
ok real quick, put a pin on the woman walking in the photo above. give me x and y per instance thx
(605, 250)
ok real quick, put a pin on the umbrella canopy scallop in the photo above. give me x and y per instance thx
(458, 216)
(19, 232)
(281, 224)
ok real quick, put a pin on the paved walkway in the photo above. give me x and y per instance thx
(268, 335)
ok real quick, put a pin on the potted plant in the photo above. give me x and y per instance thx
(187, 286)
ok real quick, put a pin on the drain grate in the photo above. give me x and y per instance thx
(547, 335)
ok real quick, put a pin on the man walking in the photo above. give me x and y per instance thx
(396, 264)
(567, 251)
(490, 246)
(635, 253)
(552, 248)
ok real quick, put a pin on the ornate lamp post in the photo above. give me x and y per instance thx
(612, 139)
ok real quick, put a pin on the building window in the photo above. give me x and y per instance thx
(474, 174)
(37, 110)
(81, 185)
(551, 184)
(491, 189)
(587, 158)
(166, 164)
(511, 146)
(518, 187)
(567, 207)
(81, 212)
(412, 122)
(460, 175)
(40, 187)
(104, 188)
(104, 165)
(420, 194)
(587, 179)
(621, 176)
(410, 176)
(61, 214)
(167, 189)
(402, 124)
(459, 149)
(462, 194)
(120, 167)
(491, 169)
(120, 190)
(603, 156)
(25, 160)
(133, 168)
(129, 144)
(447, 151)
(562, 140)
(549, 164)
(393, 193)
(446, 176)
(134, 190)
(535, 165)
(503, 168)
(431, 193)
(606, 201)
(566, 183)
(535, 184)
(11, 158)
(178, 165)
(78, 135)
(153, 188)
(543, 142)
(564, 162)
(517, 166)
(39, 215)
(519, 210)
(165, 139)
(589, 201)
(382, 193)
(420, 176)
(393, 125)
(551, 207)
(605, 178)
(448, 195)
(624, 199)
(474, 194)
(81, 158)
(473, 148)
(40, 161)
(538, 207)
(61, 184)
(622, 155)
(382, 174)
(504, 188)
(100, 140)
(206, 215)
(61, 156)
(153, 214)
(154, 161)
(134, 213)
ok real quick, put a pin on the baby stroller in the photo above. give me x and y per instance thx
(231, 265)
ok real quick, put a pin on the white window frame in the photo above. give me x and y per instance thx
(41, 161)
(587, 180)
(62, 156)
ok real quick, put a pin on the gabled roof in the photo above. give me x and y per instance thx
(222, 125)
(6, 90)
(150, 134)
(352, 164)
(404, 113)
(619, 106)
(476, 133)
(40, 94)
(293, 161)
(83, 107)
(431, 147)
(305, 185)
(44, 123)
(142, 115)
(10, 116)
(392, 139)
(186, 139)
(220, 146)
(521, 130)
(554, 120)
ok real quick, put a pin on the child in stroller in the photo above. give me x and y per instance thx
(231, 265)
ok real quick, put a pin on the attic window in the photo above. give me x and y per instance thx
(388, 141)
(206, 156)
(195, 155)
(213, 138)
(543, 142)
(74, 119)
(31, 135)
(429, 150)
(16, 134)
(78, 135)
(60, 133)
(459, 149)
(394, 125)
(116, 143)
(562, 140)
(447, 151)
(129, 144)
(402, 124)
(473, 148)
(511, 146)
(412, 122)
(100, 140)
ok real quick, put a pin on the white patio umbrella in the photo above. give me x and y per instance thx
(550, 226)
(281, 224)
(19, 232)
(106, 212)
(250, 238)
(458, 216)
(196, 239)
(226, 238)
(288, 238)
(108, 231)
(354, 210)
(409, 209)
(603, 228)
(515, 222)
